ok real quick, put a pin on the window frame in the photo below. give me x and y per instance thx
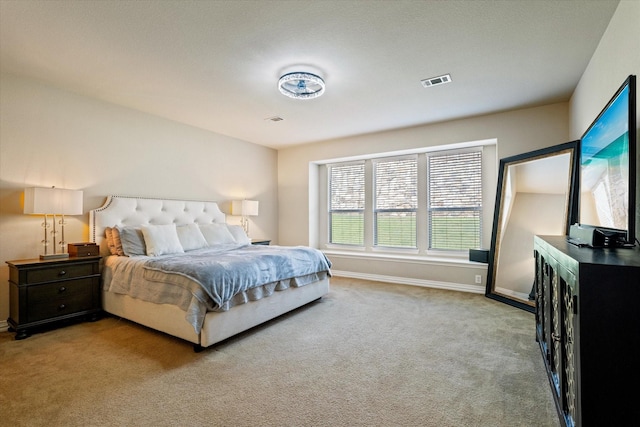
(331, 211)
(376, 210)
(459, 208)
(320, 228)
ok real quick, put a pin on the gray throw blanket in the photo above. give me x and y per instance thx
(229, 272)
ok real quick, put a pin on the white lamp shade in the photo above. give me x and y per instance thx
(39, 200)
(244, 207)
(42, 201)
(71, 202)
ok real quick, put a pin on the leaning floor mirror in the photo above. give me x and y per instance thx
(535, 196)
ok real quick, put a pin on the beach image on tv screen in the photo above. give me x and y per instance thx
(604, 167)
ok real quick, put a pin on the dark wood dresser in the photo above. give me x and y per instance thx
(588, 329)
(46, 291)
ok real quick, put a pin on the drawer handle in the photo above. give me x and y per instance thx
(62, 307)
(62, 289)
(62, 273)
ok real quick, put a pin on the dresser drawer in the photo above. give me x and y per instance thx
(58, 272)
(59, 299)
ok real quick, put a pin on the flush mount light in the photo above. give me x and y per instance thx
(301, 85)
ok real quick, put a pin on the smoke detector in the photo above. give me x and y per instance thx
(434, 81)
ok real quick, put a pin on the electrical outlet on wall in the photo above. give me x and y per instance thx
(478, 279)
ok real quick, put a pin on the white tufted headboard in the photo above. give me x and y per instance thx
(137, 211)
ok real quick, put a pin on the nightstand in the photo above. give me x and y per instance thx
(46, 291)
(260, 242)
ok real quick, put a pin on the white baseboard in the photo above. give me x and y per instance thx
(4, 326)
(474, 289)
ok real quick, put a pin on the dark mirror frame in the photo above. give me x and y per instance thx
(571, 214)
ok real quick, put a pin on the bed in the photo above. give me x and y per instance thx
(173, 286)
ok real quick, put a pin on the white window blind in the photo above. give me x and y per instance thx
(454, 200)
(417, 203)
(346, 203)
(396, 202)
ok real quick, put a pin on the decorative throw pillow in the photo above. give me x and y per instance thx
(108, 233)
(239, 235)
(131, 240)
(217, 234)
(161, 239)
(191, 237)
(117, 243)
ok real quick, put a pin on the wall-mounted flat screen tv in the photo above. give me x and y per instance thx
(608, 165)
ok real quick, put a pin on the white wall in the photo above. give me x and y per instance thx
(52, 137)
(617, 56)
(517, 132)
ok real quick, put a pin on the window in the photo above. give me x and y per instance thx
(455, 200)
(416, 202)
(396, 202)
(346, 204)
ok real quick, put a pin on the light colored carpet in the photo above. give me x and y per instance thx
(368, 354)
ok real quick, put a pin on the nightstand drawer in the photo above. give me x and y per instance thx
(59, 299)
(58, 272)
(51, 291)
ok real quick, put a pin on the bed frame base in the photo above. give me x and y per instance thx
(197, 348)
(217, 326)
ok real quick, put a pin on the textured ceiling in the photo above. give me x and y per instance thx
(215, 64)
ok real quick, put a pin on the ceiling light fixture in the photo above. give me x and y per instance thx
(301, 85)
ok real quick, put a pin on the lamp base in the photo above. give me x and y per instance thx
(54, 256)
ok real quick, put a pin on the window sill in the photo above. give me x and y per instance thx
(461, 260)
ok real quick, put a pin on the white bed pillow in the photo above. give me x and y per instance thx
(161, 239)
(131, 240)
(191, 237)
(217, 234)
(239, 235)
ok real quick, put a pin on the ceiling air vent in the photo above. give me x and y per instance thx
(434, 81)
